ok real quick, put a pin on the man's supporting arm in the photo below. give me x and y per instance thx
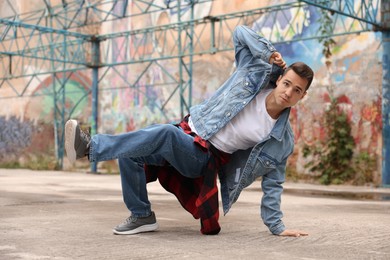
(270, 204)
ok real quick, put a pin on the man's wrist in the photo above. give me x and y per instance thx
(278, 229)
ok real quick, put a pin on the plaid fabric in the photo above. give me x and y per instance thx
(198, 196)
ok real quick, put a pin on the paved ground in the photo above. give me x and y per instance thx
(64, 215)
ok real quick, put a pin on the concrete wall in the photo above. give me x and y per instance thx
(355, 76)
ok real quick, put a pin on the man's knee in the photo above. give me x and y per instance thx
(168, 130)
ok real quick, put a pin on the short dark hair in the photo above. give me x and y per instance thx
(302, 70)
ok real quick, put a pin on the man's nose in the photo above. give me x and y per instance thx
(289, 92)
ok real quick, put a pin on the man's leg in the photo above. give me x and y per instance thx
(152, 145)
(135, 196)
(167, 141)
(134, 190)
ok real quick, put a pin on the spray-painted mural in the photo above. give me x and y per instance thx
(129, 100)
(31, 134)
(133, 99)
(70, 90)
(138, 105)
(354, 78)
(15, 136)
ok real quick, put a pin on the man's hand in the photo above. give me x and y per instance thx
(277, 58)
(293, 233)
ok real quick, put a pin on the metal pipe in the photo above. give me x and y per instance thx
(386, 93)
(95, 92)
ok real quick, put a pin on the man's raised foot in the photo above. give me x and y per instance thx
(76, 141)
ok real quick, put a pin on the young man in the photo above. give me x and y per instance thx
(242, 132)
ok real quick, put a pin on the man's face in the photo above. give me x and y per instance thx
(290, 88)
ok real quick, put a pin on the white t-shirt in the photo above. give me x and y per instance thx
(249, 127)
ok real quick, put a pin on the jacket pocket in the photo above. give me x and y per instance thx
(254, 80)
(264, 164)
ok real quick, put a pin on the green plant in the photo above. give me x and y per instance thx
(326, 29)
(36, 162)
(365, 165)
(41, 162)
(333, 158)
(292, 174)
(10, 165)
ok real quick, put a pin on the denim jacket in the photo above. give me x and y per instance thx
(266, 159)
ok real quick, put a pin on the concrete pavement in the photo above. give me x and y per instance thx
(69, 215)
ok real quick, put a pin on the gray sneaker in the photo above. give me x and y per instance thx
(133, 225)
(76, 141)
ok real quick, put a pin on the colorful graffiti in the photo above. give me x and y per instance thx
(32, 133)
(131, 98)
(200, 10)
(64, 91)
(136, 98)
(350, 70)
(15, 136)
(137, 101)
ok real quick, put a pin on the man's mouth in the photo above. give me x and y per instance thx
(284, 99)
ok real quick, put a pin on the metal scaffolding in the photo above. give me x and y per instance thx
(56, 41)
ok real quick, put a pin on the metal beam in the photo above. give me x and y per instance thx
(365, 10)
(216, 25)
(41, 43)
(41, 29)
(72, 52)
(45, 40)
(77, 14)
(95, 93)
(76, 48)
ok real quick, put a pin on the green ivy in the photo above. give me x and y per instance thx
(326, 29)
(365, 166)
(333, 158)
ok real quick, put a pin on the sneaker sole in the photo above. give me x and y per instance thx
(70, 135)
(141, 229)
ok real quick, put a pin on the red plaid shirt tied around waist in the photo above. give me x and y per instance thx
(199, 196)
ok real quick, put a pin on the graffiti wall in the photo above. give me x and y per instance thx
(27, 124)
(353, 76)
(133, 96)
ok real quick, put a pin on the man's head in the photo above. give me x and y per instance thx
(302, 70)
(292, 86)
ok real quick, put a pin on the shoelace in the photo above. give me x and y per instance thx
(85, 136)
(131, 219)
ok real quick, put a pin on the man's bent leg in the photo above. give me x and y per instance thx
(154, 146)
(134, 190)
(166, 141)
(135, 196)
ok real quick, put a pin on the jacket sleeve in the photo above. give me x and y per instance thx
(270, 204)
(248, 44)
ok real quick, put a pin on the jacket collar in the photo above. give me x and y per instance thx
(281, 125)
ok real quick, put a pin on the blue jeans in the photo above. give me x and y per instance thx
(154, 145)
